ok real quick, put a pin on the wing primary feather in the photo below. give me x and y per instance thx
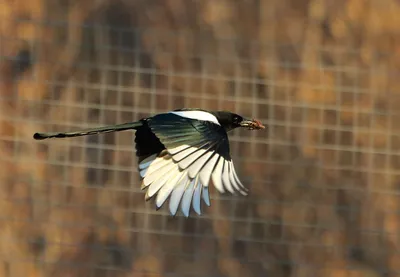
(195, 168)
(156, 168)
(157, 184)
(153, 164)
(187, 198)
(177, 194)
(225, 177)
(185, 153)
(156, 174)
(206, 196)
(237, 179)
(217, 175)
(178, 149)
(186, 162)
(197, 196)
(233, 181)
(205, 173)
(195, 156)
(166, 190)
(157, 164)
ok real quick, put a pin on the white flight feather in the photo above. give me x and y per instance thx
(183, 164)
(157, 184)
(197, 196)
(166, 190)
(206, 196)
(185, 153)
(157, 165)
(232, 177)
(177, 149)
(217, 175)
(205, 173)
(187, 198)
(151, 177)
(194, 169)
(237, 178)
(176, 195)
(225, 177)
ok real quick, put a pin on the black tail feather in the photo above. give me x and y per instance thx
(93, 131)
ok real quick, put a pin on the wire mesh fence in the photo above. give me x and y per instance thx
(323, 177)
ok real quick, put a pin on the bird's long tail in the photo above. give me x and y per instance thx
(93, 131)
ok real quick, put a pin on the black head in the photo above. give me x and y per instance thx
(231, 121)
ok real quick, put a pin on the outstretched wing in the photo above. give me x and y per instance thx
(195, 152)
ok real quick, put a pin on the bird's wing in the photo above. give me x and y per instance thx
(196, 151)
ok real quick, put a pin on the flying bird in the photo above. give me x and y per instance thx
(179, 152)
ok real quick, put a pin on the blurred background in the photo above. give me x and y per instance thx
(324, 177)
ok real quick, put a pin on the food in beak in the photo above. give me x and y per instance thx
(253, 124)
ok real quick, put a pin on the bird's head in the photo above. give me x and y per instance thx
(232, 121)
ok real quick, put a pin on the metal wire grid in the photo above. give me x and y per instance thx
(93, 155)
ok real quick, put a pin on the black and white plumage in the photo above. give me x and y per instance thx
(179, 153)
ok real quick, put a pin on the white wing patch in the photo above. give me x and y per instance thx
(183, 176)
(199, 115)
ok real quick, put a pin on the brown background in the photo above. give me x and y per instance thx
(324, 177)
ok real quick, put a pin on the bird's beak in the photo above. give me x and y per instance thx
(252, 124)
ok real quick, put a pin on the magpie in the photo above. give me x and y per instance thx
(179, 152)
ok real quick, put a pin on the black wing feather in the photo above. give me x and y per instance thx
(192, 132)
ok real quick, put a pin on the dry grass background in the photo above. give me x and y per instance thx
(324, 178)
